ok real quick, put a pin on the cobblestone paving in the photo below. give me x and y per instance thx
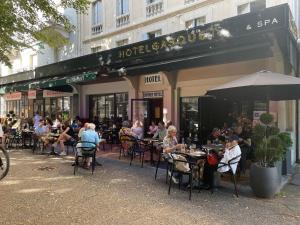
(42, 190)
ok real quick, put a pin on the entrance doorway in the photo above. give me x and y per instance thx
(155, 110)
(147, 110)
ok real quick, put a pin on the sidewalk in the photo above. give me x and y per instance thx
(42, 190)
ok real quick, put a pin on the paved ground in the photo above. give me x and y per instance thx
(119, 194)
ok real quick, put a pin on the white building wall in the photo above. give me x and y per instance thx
(173, 17)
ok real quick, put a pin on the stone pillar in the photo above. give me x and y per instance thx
(169, 96)
(133, 82)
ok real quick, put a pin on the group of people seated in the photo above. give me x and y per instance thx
(231, 151)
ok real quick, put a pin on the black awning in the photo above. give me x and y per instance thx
(53, 83)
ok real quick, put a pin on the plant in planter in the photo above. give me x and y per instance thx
(270, 147)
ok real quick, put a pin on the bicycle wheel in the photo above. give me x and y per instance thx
(4, 162)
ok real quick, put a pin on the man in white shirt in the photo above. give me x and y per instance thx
(232, 151)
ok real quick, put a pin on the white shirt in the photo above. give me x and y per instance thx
(228, 155)
(138, 131)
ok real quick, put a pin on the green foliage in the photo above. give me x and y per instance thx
(270, 144)
(24, 22)
(266, 118)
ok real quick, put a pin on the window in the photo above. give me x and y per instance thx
(195, 22)
(97, 11)
(251, 7)
(153, 34)
(110, 108)
(122, 7)
(96, 49)
(33, 61)
(257, 5)
(122, 42)
(242, 9)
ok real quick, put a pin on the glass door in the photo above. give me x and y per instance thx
(139, 112)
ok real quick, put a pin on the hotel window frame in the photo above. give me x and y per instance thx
(97, 13)
(195, 22)
(122, 42)
(155, 33)
(251, 6)
(121, 7)
(96, 49)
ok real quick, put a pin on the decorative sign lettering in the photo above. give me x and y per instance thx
(152, 79)
(81, 78)
(153, 94)
(234, 27)
(263, 23)
(49, 94)
(32, 94)
(13, 96)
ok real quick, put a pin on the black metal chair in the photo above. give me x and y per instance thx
(162, 156)
(136, 148)
(86, 151)
(231, 162)
(125, 144)
(176, 169)
(14, 137)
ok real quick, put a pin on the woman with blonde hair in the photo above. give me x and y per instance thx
(170, 143)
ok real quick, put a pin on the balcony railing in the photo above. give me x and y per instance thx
(123, 20)
(154, 8)
(97, 29)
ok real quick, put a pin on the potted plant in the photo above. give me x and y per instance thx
(270, 147)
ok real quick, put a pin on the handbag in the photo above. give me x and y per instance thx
(212, 159)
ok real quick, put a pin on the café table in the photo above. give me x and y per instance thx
(149, 142)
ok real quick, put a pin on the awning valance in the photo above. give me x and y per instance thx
(52, 83)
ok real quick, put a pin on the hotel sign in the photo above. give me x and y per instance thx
(235, 27)
(153, 94)
(13, 96)
(52, 94)
(152, 79)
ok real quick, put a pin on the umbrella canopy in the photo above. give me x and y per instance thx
(262, 85)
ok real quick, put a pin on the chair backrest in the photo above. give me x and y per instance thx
(232, 163)
(86, 145)
(127, 141)
(181, 163)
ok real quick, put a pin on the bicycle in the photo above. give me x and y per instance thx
(4, 162)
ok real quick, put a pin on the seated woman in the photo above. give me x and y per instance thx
(67, 135)
(152, 128)
(215, 137)
(161, 131)
(170, 145)
(138, 130)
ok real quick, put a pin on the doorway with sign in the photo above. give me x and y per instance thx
(147, 110)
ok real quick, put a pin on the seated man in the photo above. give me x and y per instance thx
(89, 135)
(232, 150)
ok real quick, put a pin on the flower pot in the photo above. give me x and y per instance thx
(264, 181)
